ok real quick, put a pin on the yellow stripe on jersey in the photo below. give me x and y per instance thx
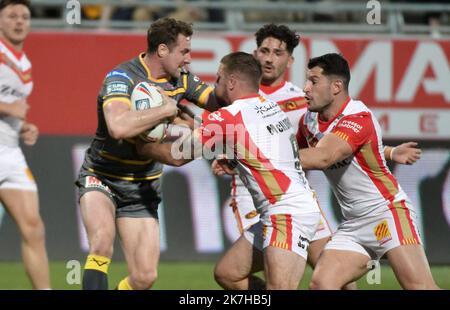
(118, 177)
(175, 92)
(122, 99)
(204, 96)
(268, 177)
(185, 84)
(149, 73)
(375, 168)
(124, 161)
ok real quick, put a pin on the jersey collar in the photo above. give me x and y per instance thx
(147, 69)
(271, 89)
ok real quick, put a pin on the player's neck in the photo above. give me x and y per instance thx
(156, 70)
(334, 108)
(18, 47)
(269, 87)
(243, 94)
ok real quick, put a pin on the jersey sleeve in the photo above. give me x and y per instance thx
(117, 85)
(196, 90)
(301, 139)
(214, 130)
(355, 129)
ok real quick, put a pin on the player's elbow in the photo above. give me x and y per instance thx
(118, 133)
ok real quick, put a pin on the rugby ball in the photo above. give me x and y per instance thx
(146, 96)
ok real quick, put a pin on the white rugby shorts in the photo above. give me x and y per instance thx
(373, 236)
(291, 232)
(14, 171)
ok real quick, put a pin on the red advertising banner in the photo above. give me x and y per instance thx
(406, 82)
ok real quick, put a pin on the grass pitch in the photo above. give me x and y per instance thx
(182, 276)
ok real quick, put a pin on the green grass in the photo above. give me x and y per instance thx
(184, 276)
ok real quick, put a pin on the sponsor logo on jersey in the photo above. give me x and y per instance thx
(279, 127)
(264, 109)
(382, 233)
(118, 73)
(341, 164)
(216, 116)
(350, 125)
(7, 90)
(117, 88)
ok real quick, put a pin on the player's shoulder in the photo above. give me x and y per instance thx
(356, 107)
(293, 89)
(125, 71)
(189, 76)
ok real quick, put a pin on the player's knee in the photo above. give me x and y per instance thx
(219, 275)
(101, 248)
(318, 283)
(33, 229)
(143, 279)
(101, 243)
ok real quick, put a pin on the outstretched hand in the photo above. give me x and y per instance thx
(407, 153)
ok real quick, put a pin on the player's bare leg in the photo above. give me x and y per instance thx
(283, 269)
(98, 213)
(411, 267)
(140, 243)
(315, 249)
(234, 270)
(336, 268)
(23, 206)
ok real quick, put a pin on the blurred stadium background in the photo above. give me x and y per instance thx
(400, 67)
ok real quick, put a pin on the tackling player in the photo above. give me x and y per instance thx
(345, 141)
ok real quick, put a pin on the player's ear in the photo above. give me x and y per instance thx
(163, 50)
(337, 86)
(232, 81)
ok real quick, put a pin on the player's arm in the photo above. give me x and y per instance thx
(163, 152)
(200, 93)
(125, 123)
(16, 109)
(328, 151)
(406, 153)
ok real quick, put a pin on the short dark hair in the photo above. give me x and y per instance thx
(5, 3)
(245, 65)
(332, 64)
(166, 31)
(280, 32)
